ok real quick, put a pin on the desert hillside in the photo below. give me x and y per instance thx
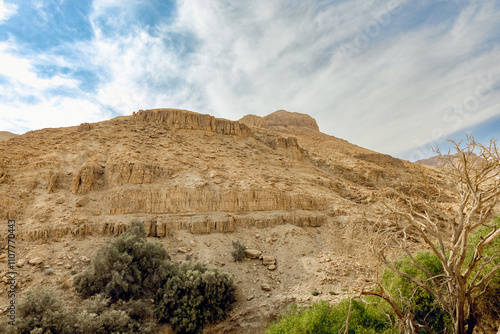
(302, 198)
(5, 135)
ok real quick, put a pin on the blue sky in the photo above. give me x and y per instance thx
(394, 76)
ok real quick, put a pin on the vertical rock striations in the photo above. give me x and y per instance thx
(188, 120)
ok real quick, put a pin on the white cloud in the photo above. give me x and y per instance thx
(28, 101)
(7, 10)
(22, 74)
(49, 113)
(391, 95)
(341, 63)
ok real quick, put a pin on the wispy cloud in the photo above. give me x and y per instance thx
(6, 10)
(386, 75)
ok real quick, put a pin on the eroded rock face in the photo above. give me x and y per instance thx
(281, 118)
(381, 159)
(89, 177)
(183, 119)
(179, 170)
(284, 189)
(179, 200)
(285, 118)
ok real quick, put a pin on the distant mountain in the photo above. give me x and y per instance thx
(281, 118)
(438, 160)
(5, 135)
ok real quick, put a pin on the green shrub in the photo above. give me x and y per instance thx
(194, 296)
(101, 317)
(488, 305)
(321, 318)
(239, 251)
(419, 302)
(128, 267)
(43, 311)
(423, 305)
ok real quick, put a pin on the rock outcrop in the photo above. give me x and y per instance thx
(178, 200)
(5, 135)
(281, 118)
(177, 170)
(381, 159)
(183, 119)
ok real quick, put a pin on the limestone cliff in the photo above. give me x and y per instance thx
(281, 118)
(302, 198)
(179, 167)
(183, 119)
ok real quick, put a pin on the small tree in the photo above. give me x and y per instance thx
(194, 296)
(239, 251)
(42, 311)
(128, 267)
(476, 180)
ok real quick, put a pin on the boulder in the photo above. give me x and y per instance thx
(82, 202)
(84, 259)
(252, 253)
(268, 260)
(35, 261)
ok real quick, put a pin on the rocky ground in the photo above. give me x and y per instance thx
(305, 202)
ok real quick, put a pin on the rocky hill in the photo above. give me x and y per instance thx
(281, 119)
(5, 135)
(440, 161)
(303, 199)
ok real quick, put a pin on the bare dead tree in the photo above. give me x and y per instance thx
(475, 175)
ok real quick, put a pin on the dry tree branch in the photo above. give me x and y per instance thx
(476, 180)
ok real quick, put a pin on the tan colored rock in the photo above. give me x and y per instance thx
(281, 118)
(268, 260)
(53, 182)
(183, 119)
(35, 261)
(84, 259)
(182, 250)
(82, 202)
(252, 253)
(265, 287)
(88, 177)
(272, 267)
(20, 263)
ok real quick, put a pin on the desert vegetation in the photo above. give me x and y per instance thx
(130, 287)
(323, 318)
(453, 286)
(238, 252)
(467, 270)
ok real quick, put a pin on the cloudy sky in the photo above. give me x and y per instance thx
(393, 76)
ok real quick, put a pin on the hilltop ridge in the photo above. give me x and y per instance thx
(197, 183)
(5, 135)
(281, 118)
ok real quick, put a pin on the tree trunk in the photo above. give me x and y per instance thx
(459, 321)
(471, 319)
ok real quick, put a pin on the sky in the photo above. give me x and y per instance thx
(397, 76)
